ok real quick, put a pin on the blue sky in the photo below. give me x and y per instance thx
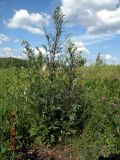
(94, 25)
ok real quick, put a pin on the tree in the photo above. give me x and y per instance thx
(99, 59)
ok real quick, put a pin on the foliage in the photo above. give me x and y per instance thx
(56, 114)
(66, 101)
(12, 62)
(99, 59)
(101, 133)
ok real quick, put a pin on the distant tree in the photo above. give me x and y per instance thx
(99, 59)
(9, 62)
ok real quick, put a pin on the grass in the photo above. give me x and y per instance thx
(100, 136)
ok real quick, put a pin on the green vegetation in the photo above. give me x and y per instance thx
(12, 62)
(67, 103)
(101, 100)
(99, 59)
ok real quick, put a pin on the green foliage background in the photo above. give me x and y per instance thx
(67, 103)
(98, 128)
(12, 62)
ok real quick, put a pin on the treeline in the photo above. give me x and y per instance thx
(9, 62)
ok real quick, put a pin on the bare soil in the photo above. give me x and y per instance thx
(47, 153)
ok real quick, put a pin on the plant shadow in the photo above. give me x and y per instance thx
(111, 157)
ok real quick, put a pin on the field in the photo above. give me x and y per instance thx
(54, 106)
(91, 123)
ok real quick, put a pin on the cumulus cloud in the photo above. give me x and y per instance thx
(4, 38)
(80, 47)
(97, 17)
(109, 22)
(6, 52)
(108, 58)
(41, 49)
(31, 22)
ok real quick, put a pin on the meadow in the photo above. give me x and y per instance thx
(94, 132)
(67, 104)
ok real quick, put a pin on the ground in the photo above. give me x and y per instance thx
(47, 153)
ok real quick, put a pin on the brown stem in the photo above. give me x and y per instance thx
(12, 131)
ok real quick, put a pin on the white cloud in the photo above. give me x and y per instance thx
(80, 47)
(35, 51)
(31, 22)
(89, 39)
(108, 58)
(10, 52)
(4, 38)
(109, 22)
(98, 17)
(6, 52)
(41, 49)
